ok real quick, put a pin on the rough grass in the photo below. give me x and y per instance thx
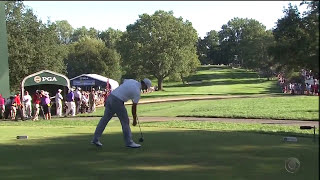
(283, 107)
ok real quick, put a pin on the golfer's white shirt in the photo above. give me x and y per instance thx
(129, 89)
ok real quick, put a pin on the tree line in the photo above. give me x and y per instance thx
(159, 46)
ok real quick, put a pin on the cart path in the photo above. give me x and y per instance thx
(232, 120)
(200, 97)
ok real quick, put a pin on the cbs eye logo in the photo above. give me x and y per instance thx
(292, 165)
(37, 79)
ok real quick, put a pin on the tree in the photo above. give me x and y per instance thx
(83, 32)
(209, 48)
(159, 45)
(64, 31)
(297, 39)
(244, 42)
(111, 37)
(32, 45)
(90, 55)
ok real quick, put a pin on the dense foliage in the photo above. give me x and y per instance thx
(160, 46)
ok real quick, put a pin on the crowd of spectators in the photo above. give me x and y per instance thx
(41, 103)
(308, 86)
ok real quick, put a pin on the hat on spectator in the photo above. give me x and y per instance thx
(59, 90)
(147, 82)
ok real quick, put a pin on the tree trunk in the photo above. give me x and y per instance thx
(160, 88)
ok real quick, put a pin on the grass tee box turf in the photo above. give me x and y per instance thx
(60, 149)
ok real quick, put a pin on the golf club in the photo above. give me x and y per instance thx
(141, 138)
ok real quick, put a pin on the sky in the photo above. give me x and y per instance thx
(204, 15)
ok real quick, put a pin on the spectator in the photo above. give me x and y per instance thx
(70, 103)
(92, 100)
(19, 106)
(77, 98)
(2, 106)
(84, 103)
(10, 108)
(27, 105)
(107, 92)
(45, 102)
(36, 103)
(59, 99)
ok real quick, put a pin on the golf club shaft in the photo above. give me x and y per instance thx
(139, 127)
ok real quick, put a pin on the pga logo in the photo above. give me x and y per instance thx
(38, 79)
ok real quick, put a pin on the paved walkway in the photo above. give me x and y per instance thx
(231, 120)
(205, 97)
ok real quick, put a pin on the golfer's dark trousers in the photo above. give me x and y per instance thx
(113, 106)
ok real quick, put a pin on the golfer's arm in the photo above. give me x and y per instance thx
(134, 110)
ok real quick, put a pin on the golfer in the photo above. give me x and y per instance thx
(129, 89)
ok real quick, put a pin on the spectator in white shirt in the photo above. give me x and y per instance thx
(59, 99)
(27, 105)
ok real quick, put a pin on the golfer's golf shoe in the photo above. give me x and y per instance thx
(133, 145)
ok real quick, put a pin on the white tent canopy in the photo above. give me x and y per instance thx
(81, 80)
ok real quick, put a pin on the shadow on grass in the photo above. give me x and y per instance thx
(234, 74)
(170, 154)
(227, 82)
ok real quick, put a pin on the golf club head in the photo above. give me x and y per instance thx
(141, 139)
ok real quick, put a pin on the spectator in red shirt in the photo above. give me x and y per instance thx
(36, 102)
(2, 107)
(19, 107)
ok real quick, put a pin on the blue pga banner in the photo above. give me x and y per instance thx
(83, 83)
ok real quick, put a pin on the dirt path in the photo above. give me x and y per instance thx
(231, 120)
(203, 97)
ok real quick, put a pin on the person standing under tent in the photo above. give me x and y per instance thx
(70, 103)
(58, 99)
(45, 102)
(19, 107)
(27, 105)
(36, 102)
(77, 98)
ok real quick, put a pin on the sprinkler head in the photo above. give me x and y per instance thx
(141, 139)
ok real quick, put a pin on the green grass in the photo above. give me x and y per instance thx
(283, 107)
(59, 149)
(217, 80)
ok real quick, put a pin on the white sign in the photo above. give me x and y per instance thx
(38, 79)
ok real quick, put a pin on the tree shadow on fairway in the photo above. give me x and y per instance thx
(167, 154)
(223, 83)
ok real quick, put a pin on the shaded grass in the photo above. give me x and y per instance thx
(57, 152)
(283, 107)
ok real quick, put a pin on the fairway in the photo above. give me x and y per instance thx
(60, 149)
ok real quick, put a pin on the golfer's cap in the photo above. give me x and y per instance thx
(147, 82)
